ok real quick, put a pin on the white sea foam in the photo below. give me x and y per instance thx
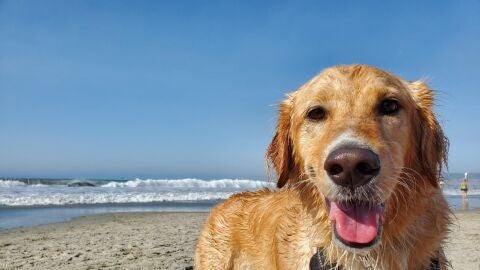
(18, 193)
(192, 183)
(452, 192)
(97, 198)
(10, 183)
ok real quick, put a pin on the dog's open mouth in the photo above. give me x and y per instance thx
(357, 225)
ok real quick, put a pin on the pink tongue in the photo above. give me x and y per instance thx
(355, 223)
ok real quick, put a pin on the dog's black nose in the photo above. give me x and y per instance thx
(352, 166)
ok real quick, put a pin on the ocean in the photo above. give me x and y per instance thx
(28, 202)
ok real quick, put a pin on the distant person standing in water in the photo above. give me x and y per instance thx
(464, 186)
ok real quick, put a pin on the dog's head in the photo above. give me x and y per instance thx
(357, 133)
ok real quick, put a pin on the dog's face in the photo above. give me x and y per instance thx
(355, 132)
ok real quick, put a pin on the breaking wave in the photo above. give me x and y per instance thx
(68, 192)
(10, 183)
(190, 183)
(31, 192)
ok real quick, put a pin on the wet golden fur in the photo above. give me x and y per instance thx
(282, 229)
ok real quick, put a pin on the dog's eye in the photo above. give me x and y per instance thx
(388, 107)
(317, 113)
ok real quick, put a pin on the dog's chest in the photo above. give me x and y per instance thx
(318, 262)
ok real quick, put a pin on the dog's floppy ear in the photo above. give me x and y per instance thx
(279, 152)
(432, 147)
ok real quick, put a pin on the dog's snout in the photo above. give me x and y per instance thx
(352, 166)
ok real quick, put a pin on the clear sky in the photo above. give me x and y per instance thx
(173, 89)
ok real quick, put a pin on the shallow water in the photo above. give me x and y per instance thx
(30, 202)
(15, 217)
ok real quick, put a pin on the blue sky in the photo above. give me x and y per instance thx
(172, 89)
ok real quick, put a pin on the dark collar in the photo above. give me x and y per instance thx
(318, 262)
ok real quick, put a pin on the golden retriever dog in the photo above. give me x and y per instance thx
(357, 154)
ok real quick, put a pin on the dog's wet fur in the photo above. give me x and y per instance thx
(284, 228)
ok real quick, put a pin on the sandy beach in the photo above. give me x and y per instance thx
(106, 241)
(463, 248)
(157, 241)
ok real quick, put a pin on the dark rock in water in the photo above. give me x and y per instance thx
(81, 184)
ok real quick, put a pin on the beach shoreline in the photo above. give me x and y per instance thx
(153, 240)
